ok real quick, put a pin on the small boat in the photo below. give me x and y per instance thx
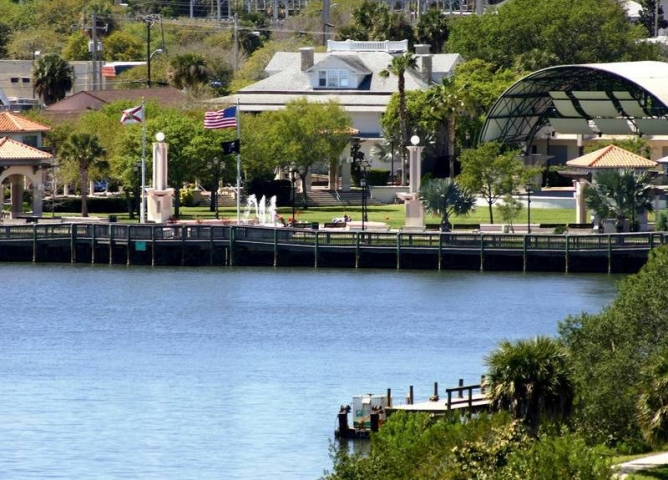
(368, 415)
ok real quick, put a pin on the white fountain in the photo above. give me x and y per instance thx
(263, 215)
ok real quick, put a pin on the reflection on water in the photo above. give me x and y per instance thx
(113, 372)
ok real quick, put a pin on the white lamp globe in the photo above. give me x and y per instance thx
(415, 140)
(160, 137)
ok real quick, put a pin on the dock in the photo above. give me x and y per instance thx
(371, 411)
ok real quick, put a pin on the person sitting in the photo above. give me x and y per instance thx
(346, 218)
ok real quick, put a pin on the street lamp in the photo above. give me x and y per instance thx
(291, 170)
(528, 188)
(217, 166)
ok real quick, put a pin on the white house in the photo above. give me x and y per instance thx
(348, 72)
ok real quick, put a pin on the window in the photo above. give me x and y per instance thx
(30, 140)
(333, 78)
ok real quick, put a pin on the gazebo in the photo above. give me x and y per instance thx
(23, 165)
(606, 158)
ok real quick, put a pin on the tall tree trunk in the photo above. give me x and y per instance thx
(83, 175)
(451, 145)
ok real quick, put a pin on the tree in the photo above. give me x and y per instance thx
(531, 378)
(610, 348)
(188, 71)
(400, 66)
(652, 405)
(570, 32)
(621, 195)
(652, 17)
(84, 151)
(306, 134)
(119, 46)
(432, 29)
(449, 101)
(52, 78)
(509, 210)
(491, 172)
(444, 197)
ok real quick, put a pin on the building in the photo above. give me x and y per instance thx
(348, 73)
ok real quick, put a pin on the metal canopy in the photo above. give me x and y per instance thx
(582, 99)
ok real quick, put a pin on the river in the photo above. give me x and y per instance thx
(113, 372)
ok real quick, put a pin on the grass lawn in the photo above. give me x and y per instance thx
(390, 214)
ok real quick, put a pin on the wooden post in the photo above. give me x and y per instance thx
(482, 252)
(315, 249)
(152, 245)
(527, 239)
(389, 397)
(111, 244)
(482, 384)
(343, 424)
(275, 247)
(470, 401)
(184, 231)
(211, 245)
(34, 243)
(440, 251)
(411, 398)
(435, 391)
(399, 251)
(357, 250)
(375, 421)
(449, 399)
(92, 244)
(73, 244)
(609, 253)
(460, 392)
(568, 242)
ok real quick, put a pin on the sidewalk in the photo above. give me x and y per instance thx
(624, 469)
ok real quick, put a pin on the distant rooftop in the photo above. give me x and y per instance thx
(358, 46)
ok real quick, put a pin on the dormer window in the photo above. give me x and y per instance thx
(333, 78)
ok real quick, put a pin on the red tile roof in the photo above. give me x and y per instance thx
(13, 123)
(611, 157)
(13, 150)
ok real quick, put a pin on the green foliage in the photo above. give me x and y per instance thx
(432, 29)
(99, 205)
(622, 195)
(121, 46)
(662, 222)
(186, 197)
(446, 198)
(563, 31)
(609, 349)
(188, 71)
(652, 405)
(83, 151)
(77, 47)
(509, 209)
(532, 379)
(492, 172)
(52, 78)
(377, 177)
(557, 458)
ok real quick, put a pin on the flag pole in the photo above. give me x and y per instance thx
(238, 165)
(142, 214)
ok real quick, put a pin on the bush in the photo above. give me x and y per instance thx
(186, 197)
(378, 177)
(95, 204)
(662, 222)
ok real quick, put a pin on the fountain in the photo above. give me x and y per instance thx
(260, 210)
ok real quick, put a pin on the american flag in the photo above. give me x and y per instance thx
(226, 118)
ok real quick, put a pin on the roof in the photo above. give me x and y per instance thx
(286, 82)
(13, 150)
(79, 103)
(611, 156)
(13, 123)
(624, 98)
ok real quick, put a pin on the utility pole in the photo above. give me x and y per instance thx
(94, 49)
(149, 20)
(236, 44)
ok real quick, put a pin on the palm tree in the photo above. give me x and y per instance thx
(444, 197)
(188, 70)
(400, 66)
(621, 195)
(52, 78)
(432, 28)
(85, 152)
(652, 405)
(447, 102)
(531, 378)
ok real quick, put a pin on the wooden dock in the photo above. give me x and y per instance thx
(231, 245)
(371, 411)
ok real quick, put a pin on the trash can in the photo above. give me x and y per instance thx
(113, 219)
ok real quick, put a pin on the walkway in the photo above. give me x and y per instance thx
(641, 464)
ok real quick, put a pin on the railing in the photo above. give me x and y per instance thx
(359, 239)
(361, 46)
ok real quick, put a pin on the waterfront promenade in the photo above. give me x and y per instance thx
(231, 245)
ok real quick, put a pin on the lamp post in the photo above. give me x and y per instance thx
(528, 187)
(136, 169)
(291, 170)
(216, 167)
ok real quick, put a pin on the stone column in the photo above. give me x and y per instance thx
(414, 208)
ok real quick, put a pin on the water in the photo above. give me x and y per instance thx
(114, 372)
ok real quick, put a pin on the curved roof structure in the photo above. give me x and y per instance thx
(626, 98)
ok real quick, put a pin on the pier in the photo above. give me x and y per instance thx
(232, 245)
(371, 411)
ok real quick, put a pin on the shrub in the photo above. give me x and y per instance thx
(662, 222)
(186, 197)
